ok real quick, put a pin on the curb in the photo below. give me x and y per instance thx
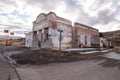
(12, 64)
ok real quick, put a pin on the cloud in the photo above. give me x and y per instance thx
(99, 13)
(18, 15)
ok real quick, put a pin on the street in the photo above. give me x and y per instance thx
(101, 67)
(80, 70)
(6, 70)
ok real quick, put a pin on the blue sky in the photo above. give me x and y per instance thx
(18, 15)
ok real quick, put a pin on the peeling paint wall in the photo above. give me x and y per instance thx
(66, 36)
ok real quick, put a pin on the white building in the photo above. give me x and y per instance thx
(29, 39)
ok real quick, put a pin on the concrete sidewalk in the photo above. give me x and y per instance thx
(113, 55)
(6, 70)
(85, 49)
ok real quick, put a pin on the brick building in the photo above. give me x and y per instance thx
(85, 36)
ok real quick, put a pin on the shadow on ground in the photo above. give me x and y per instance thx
(107, 62)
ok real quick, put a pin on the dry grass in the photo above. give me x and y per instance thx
(13, 43)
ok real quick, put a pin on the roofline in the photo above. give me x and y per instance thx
(53, 13)
(76, 23)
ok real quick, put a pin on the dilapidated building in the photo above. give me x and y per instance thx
(47, 28)
(46, 33)
(85, 36)
(113, 38)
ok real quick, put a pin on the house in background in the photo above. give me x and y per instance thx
(85, 36)
(46, 34)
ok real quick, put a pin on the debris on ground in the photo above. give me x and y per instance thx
(44, 56)
(23, 55)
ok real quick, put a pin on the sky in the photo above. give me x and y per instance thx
(17, 15)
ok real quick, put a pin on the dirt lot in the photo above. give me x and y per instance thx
(25, 55)
(44, 56)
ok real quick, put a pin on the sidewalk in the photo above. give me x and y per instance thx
(87, 50)
(6, 70)
(84, 49)
(113, 55)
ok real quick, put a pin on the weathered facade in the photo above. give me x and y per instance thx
(46, 34)
(28, 40)
(105, 43)
(85, 36)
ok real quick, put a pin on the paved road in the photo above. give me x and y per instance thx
(81, 70)
(6, 71)
(95, 69)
